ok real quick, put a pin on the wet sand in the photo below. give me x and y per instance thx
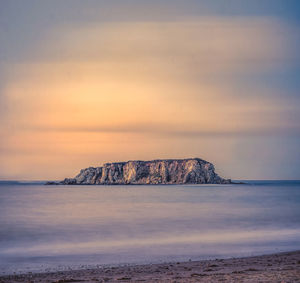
(281, 267)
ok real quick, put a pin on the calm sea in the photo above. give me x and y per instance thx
(45, 228)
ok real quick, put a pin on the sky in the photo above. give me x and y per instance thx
(83, 83)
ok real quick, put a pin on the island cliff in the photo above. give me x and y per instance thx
(167, 171)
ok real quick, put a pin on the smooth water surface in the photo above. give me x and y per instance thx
(46, 228)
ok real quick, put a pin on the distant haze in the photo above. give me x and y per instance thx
(88, 82)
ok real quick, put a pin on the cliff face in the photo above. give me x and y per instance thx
(177, 171)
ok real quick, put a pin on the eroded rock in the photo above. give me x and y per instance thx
(167, 171)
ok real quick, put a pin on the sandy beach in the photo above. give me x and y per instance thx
(280, 267)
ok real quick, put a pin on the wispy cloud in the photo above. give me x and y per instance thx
(131, 83)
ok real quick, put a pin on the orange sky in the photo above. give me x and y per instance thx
(95, 92)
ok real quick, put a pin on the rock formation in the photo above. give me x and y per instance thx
(167, 171)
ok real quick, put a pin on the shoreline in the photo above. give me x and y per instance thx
(275, 267)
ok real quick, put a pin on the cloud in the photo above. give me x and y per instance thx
(102, 91)
(207, 44)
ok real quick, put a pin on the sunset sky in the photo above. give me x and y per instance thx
(88, 82)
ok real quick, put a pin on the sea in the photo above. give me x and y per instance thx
(50, 228)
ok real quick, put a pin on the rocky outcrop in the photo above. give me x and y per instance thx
(168, 171)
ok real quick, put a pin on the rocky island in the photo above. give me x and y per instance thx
(166, 171)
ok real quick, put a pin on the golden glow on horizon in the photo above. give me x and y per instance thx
(116, 91)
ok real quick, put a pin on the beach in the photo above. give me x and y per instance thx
(279, 267)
